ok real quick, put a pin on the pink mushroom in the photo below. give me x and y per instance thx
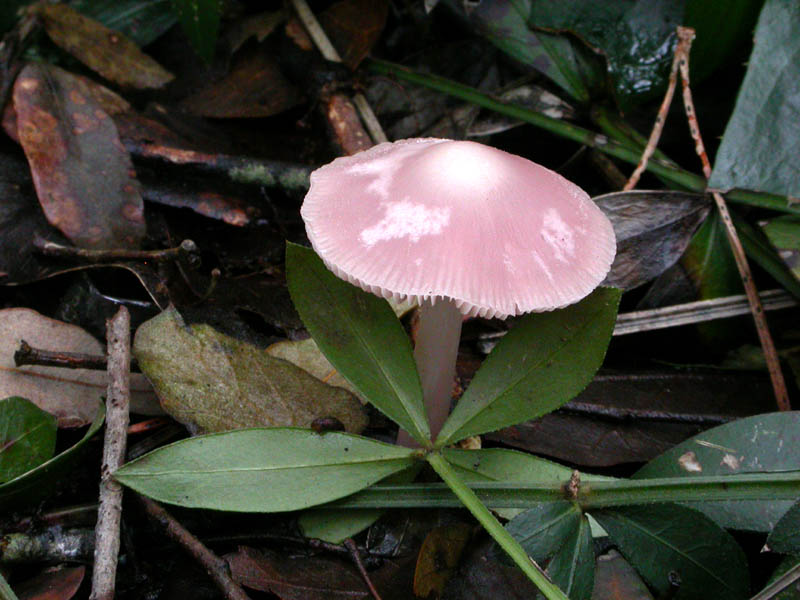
(462, 229)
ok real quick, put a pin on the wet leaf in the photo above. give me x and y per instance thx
(83, 175)
(652, 229)
(361, 336)
(254, 87)
(200, 22)
(263, 470)
(38, 483)
(667, 538)
(438, 558)
(785, 536)
(545, 360)
(212, 382)
(759, 147)
(354, 27)
(572, 567)
(763, 443)
(615, 579)
(636, 38)
(306, 355)
(143, 21)
(60, 583)
(27, 437)
(104, 50)
(69, 394)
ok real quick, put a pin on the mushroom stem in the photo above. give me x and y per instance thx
(435, 352)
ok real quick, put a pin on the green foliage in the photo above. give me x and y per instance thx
(27, 437)
(785, 537)
(200, 22)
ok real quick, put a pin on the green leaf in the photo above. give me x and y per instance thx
(37, 483)
(362, 338)
(764, 255)
(665, 538)
(213, 382)
(760, 444)
(200, 22)
(572, 567)
(543, 362)
(27, 437)
(263, 470)
(143, 21)
(784, 234)
(759, 149)
(335, 525)
(785, 537)
(544, 527)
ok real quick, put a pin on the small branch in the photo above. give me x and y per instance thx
(28, 355)
(327, 50)
(681, 53)
(356, 556)
(187, 248)
(768, 346)
(109, 513)
(216, 567)
(614, 413)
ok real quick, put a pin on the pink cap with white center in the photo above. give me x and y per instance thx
(439, 219)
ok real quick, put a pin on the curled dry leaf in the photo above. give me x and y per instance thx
(101, 49)
(71, 395)
(212, 382)
(83, 175)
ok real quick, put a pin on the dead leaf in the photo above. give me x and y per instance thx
(255, 87)
(101, 49)
(71, 395)
(354, 26)
(616, 579)
(438, 558)
(60, 583)
(306, 355)
(212, 382)
(83, 176)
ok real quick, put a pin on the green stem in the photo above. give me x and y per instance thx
(6, 593)
(592, 494)
(500, 535)
(627, 152)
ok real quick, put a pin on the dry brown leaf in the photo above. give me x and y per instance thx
(101, 49)
(71, 395)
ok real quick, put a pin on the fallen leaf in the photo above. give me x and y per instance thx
(438, 558)
(616, 579)
(59, 583)
(354, 26)
(212, 382)
(69, 394)
(101, 49)
(306, 355)
(83, 176)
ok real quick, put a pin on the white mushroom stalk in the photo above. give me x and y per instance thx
(464, 230)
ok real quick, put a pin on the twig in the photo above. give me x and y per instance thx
(768, 346)
(28, 355)
(780, 584)
(109, 513)
(613, 413)
(327, 50)
(186, 248)
(681, 53)
(216, 567)
(356, 555)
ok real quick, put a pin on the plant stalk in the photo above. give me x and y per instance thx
(491, 524)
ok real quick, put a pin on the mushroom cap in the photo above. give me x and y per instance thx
(431, 219)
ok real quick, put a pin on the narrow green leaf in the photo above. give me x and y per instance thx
(543, 362)
(759, 249)
(263, 470)
(785, 537)
(543, 528)
(27, 437)
(668, 538)
(760, 444)
(39, 482)
(200, 22)
(361, 336)
(572, 567)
